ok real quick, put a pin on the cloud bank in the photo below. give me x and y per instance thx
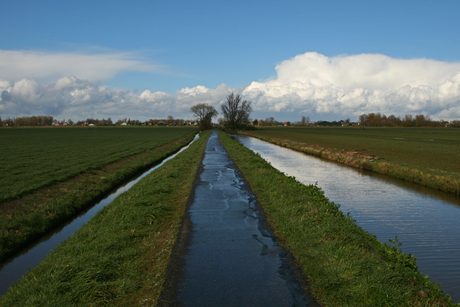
(309, 84)
(70, 97)
(344, 86)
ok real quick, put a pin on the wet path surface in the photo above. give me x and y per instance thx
(229, 258)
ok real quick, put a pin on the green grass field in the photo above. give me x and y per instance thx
(54, 174)
(423, 148)
(33, 158)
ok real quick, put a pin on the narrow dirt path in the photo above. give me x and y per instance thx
(224, 255)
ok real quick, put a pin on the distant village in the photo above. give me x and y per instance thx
(50, 121)
(365, 120)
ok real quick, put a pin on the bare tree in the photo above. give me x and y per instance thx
(362, 120)
(270, 121)
(235, 111)
(204, 113)
(169, 120)
(305, 120)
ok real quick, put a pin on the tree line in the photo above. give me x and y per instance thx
(236, 114)
(381, 120)
(28, 121)
(32, 121)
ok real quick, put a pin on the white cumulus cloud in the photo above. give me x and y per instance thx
(71, 97)
(345, 86)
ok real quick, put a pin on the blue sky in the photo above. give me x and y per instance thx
(150, 59)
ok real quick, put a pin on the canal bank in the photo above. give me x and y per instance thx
(13, 268)
(226, 255)
(346, 265)
(424, 220)
(24, 220)
(446, 181)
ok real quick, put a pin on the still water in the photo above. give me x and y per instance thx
(426, 221)
(14, 268)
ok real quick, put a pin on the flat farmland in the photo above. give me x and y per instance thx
(33, 158)
(434, 149)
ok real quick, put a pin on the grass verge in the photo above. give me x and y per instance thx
(25, 219)
(346, 265)
(433, 178)
(119, 258)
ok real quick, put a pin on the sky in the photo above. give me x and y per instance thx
(328, 60)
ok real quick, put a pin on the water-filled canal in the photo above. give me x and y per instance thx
(426, 221)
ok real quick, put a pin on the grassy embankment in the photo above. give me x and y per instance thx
(52, 174)
(427, 156)
(119, 258)
(346, 265)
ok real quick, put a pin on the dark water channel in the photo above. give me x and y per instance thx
(229, 258)
(14, 268)
(426, 221)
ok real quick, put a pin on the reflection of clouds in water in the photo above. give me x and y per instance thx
(425, 221)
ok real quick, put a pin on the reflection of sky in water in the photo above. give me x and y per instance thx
(425, 221)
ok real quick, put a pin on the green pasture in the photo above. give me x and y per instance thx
(423, 148)
(65, 153)
(33, 158)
